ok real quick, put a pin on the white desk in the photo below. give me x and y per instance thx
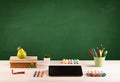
(112, 68)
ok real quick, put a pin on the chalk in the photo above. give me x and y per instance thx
(35, 73)
(72, 61)
(96, 74)
(38, 74)
(69, 61)
(66, 61)
(78, 61)
(104, 74)
(63, 61)
(42, 74)
(75, 62)
(93, 74)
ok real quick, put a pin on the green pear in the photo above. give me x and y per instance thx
(21, 53)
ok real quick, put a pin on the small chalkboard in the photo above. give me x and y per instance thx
(65, 71)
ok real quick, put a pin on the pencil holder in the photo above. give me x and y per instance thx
(99, 61)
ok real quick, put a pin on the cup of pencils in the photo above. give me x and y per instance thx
(99, 56)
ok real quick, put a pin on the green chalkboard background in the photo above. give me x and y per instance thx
(61, 28)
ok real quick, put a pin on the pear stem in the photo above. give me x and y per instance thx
(19, 48)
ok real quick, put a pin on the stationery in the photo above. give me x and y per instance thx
(99, 52)
(20, 72)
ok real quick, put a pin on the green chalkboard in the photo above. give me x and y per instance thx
(61, 28)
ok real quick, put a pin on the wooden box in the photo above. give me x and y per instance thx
(15, 62)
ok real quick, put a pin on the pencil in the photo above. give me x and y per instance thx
(101, 51)
(95, 53)
(91, 53)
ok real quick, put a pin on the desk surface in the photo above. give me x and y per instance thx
(112, 68)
